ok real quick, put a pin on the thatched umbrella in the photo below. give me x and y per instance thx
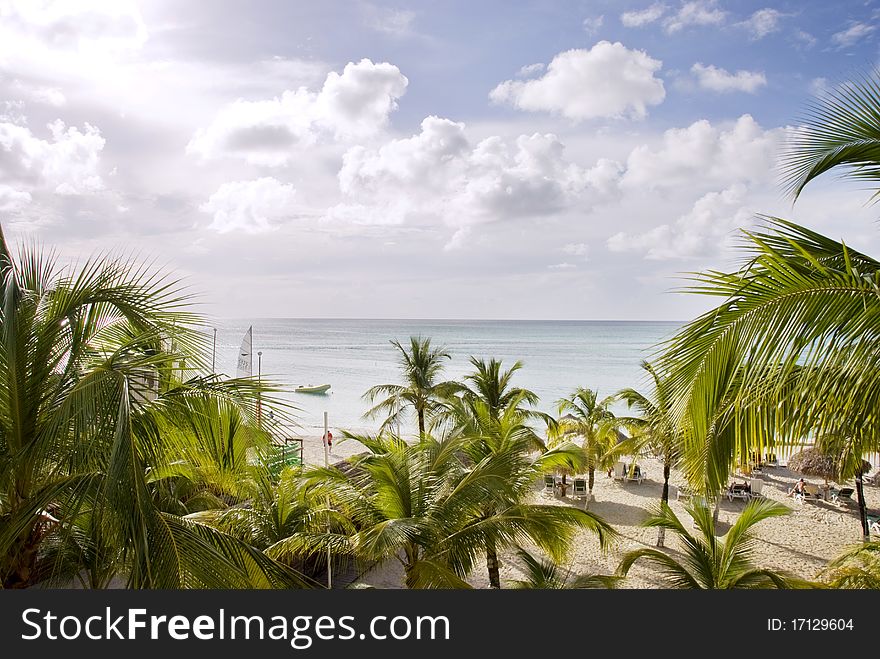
(813, 462)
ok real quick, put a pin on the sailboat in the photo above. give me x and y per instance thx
(245, 366)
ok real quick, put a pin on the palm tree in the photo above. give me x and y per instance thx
(587, 417)
(88, 385)
(841, 130)
(425, 505)
(545, 574)
(792, 351)
(655, 429)
(711, 562)
(274, 510)
(856, 568)
(491, 384)
(421, 365)
(487, 433)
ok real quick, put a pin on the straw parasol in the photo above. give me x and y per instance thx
(813, 462)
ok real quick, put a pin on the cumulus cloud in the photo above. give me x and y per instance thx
(762, 22)
(695, 12)
(353, 104)
(67, 163)
(609, 80)
(703, 232)
(440, 176)
(720, 80)
(249, 206)
(705, 154)
(852, 35)
(643, 16)
(12, 199)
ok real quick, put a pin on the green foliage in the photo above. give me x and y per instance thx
(104, 438)
(710, 562)
(421, 393)
(431, 506)
(856, 568)
(544, 574)
(841, 130)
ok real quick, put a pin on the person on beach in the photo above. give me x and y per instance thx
(798, 488)
(329, 439)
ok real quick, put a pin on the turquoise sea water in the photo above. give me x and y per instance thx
(353, 355)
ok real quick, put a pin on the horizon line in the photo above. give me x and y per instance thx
(529, 320)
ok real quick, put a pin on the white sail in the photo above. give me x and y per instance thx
(246, 355)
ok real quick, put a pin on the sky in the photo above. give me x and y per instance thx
(351, 158)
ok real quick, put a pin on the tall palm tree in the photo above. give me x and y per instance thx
(711, 562)
(490, 383)
(424, 504)
(422, 393)
(88, 384)
(582, 414)
(487, 433)
(655, 429)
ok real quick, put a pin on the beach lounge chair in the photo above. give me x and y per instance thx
(635, 473)
(738, 491)
(549, 485)
(843, 496)
(811, 493)
(771, 461)
(756, 489)
(617, 472)
(873, 478)
(579, 489)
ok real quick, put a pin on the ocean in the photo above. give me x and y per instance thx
(352, 355)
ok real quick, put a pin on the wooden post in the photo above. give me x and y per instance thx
(327, 464)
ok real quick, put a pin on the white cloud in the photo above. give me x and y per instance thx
(66, 164)
(695, 12)
(12, 199)
(644, 16)
(439, 177)
(397, 22)
(704, 154)
(720, 80)
(704, 232)
(39, 93)
(355, 104)
(529, 70)
(852, 35)
(562, 266)
(608, 80)
(249, 206)
(593, 24)
(576, 249)
(806, 39)
(85, 25)
(762, 22)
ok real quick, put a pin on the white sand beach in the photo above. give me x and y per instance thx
(801, 542)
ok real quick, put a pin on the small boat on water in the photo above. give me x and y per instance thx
(309, 389)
